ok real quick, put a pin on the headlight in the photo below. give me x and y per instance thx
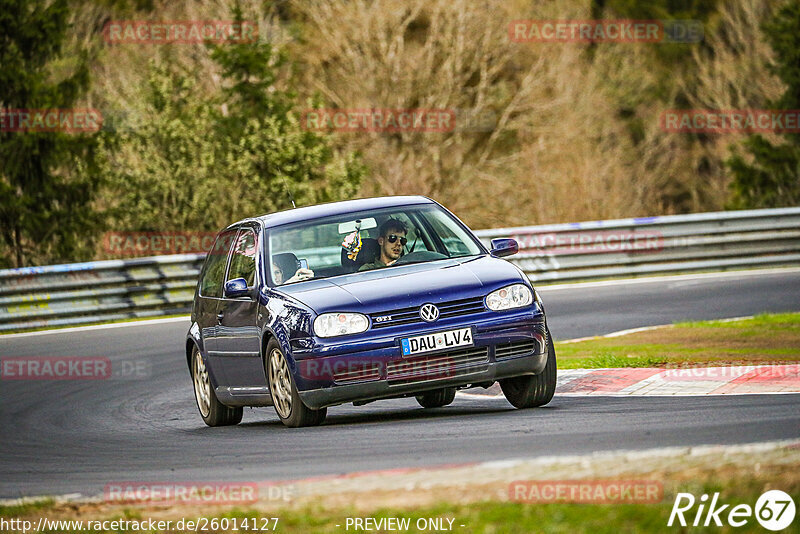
(340, 324)
(510, 297)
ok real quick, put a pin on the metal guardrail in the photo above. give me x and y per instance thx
(79, 293)
(652, 245)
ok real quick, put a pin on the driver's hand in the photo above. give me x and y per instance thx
(300, 275)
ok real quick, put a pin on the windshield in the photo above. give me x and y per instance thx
(363, 241)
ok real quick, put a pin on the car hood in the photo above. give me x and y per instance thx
(406, 285)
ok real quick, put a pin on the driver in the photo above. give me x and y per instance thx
(391, 240)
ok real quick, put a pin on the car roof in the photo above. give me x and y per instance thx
(333, 208)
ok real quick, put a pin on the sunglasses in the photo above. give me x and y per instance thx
(393, 237)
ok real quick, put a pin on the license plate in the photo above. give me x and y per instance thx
(437, 341)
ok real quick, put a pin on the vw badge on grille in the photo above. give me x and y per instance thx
(429, 312)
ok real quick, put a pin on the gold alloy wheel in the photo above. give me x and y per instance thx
(281, 383)
(202, 388)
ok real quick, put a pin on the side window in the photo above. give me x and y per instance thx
(214, 268)
(243, 261)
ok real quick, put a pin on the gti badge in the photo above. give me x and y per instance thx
(429, 312)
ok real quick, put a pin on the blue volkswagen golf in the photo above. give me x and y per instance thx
(358, 301)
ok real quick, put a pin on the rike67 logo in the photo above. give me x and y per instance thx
(774, 510)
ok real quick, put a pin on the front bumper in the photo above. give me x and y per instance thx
(373, 390)
(504, 346)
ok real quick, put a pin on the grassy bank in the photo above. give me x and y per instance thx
(491, 515)
(764, 339)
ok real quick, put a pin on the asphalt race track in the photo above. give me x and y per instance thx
(63, 437)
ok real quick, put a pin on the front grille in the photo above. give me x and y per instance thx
(520, 348)
(438, 366)
(361, 372)
(401, 316)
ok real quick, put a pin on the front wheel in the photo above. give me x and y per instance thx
(213, 412)
(288, 405)
(537, 390)
(437, 398)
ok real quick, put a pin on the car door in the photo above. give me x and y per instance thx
(238, 339)
(209, 295)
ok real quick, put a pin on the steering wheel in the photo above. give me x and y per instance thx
(419, 256)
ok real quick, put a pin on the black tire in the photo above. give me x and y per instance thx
(536, 390)
(437, 398)
(288, 404)
(213, 412)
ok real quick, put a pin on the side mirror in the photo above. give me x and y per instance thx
(236, 288)
(504, 247)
